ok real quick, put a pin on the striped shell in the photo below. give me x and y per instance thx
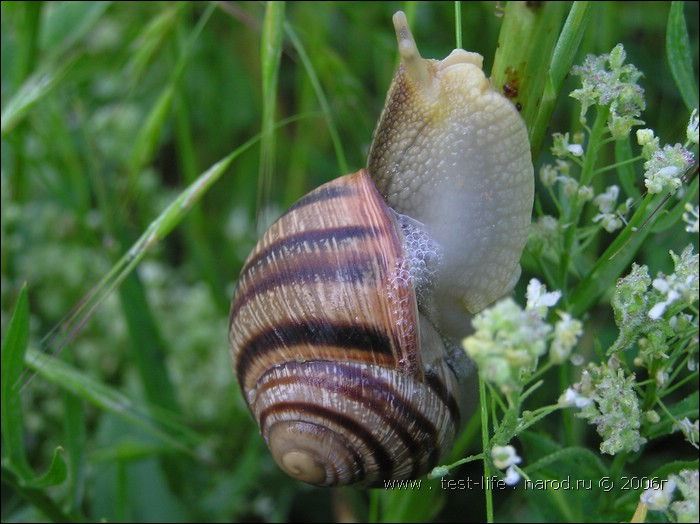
(340, 398)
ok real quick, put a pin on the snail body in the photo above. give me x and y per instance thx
(345, 318)
(453, 153)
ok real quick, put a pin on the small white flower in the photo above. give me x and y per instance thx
(611, 222)
(652, 416)
(572, 398)
(665, 168)
(668, 172)
(439, 472)
(538, 299)
(658, 310)
(645, 136)
(661, 377)
(606, 201)
(585, 193)
(649, 143)
(659, 497)
(504, 456)
(566, 334)
(577, 360)
(575, 149)
(663, 285)
(512, 476)
(569, 185)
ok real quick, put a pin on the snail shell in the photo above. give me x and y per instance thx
(326, 337)
(344, 320)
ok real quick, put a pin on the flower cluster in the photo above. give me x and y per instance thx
(648, 312)
(665, 167)
(634, 303)
(544, 235)
(611, 215)
(686, 509)
(681, 285)
(508, 341)
(607, 81)
(606, 398)
(659, 497)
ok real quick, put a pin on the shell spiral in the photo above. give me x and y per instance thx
(346, 316)
(326, 333)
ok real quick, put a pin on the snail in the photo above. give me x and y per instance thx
(346, 319)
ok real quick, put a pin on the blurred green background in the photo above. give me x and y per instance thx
(122, 105)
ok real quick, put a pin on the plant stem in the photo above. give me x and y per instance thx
(485, 445)
(575, 208)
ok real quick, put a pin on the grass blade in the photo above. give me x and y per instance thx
(321, 96)
(679, 56)
(75, 440)
(33, 90)
(13, 350)
(156, 231)
(145, 144)
(106, 398)
(270, 54)
(563, 58)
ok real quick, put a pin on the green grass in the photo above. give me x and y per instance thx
(145, 147)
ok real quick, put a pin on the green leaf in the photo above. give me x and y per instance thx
(75, 440)
(35, 497)
(68, 23)
(679, 57)
(674, 467)
(55, 475)
(13, 349)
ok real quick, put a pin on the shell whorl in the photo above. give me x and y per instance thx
(326, 337)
